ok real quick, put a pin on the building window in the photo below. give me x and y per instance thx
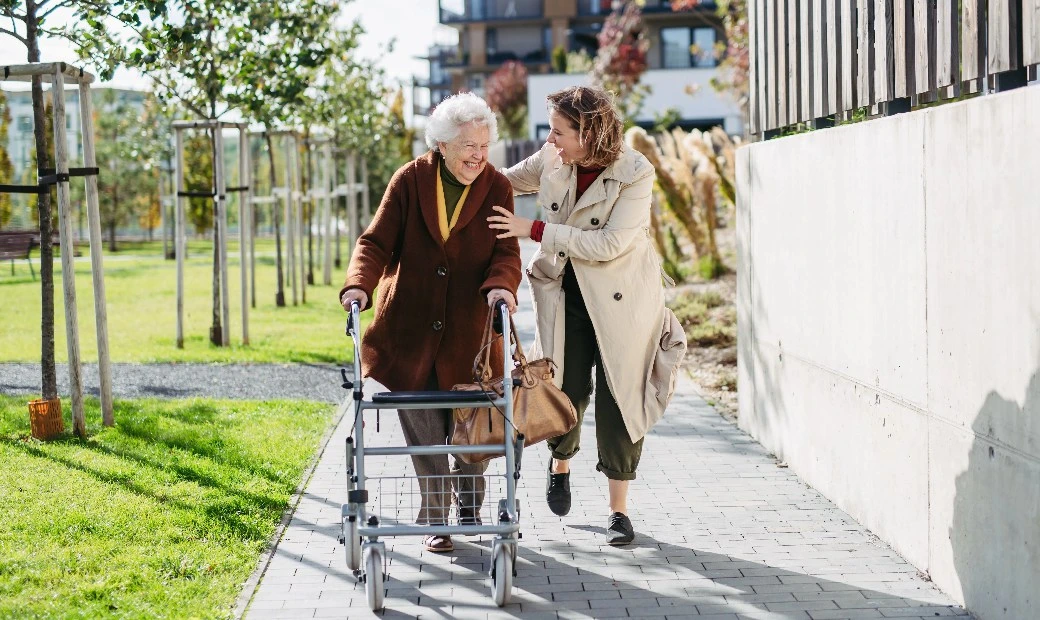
(687, 47)
(25, 123)
(492, 39)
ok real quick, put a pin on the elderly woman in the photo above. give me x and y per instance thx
(438, 267)
(598, 290)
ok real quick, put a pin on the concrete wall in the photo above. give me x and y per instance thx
(668, 90)
(889, 333)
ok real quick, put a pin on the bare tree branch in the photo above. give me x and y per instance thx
(60, 5)
(15, 35)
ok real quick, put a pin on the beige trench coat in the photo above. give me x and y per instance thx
(606, 236)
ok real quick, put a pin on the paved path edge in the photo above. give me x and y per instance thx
(245, 597)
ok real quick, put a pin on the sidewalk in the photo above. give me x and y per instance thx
(723, 532)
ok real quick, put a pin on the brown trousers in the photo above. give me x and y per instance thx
(439, 480)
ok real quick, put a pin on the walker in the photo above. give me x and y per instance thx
(384, 505)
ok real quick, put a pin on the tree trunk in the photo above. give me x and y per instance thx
(279, 296)
(49, 375)
(310, 222)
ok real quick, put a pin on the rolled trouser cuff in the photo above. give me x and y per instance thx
(614, 474)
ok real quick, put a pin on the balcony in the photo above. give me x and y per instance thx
(530, 58)
(454, 11)
(596, 8)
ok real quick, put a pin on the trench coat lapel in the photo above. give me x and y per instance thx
(426, 179)
(595, 193)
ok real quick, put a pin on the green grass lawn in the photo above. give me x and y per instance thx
(141, 292)
(162, 516)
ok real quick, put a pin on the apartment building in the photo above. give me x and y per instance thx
(491, 32)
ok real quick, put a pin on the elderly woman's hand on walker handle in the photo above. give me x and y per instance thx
(512, 224)
(500, 293)
(354, 294)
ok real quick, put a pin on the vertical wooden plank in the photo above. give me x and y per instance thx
(924, 46)
(220, 201)
(179, 235)
(366, 202)
(972, 39)
(68, 273)
(819, 61)
(947, 46)
(1030, 32)
(832, 26)
(864, 51)
(807, 41)
(1002, 40)
(753, 98)
(794, 61)
(883, 61)
(244, 230)
(903, 48)
(761, 52)
(86, 119)
(782, 119)
(771, 52)
(848, 55)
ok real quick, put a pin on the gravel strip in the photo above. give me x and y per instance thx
(317, 382)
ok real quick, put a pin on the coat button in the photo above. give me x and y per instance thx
(438, 326)
(441, 271)
(617, 296)
(561, 254)
(595, 222)
(555, 207)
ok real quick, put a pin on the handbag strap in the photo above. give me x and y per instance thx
(482, 361)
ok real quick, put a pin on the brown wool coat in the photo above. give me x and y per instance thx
(432, 302)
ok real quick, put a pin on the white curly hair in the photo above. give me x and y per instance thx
(455, 111)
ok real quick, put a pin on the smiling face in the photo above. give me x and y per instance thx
(564, 137)
(466, 155)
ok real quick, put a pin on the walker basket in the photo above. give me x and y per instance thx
(45, 419)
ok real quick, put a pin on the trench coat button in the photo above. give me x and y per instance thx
(438, 326)
(555, 207)
(595, 222)
(441, 271)
(617, 296)
(561, 254)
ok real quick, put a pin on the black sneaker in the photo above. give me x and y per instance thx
(558, 492)
(619, 529)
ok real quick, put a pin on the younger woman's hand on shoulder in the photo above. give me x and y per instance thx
(511, 224)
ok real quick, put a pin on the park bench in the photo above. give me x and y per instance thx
(15, 245)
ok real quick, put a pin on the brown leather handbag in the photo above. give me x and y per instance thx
(540, 409)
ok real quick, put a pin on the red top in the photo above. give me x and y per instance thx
(585, 178)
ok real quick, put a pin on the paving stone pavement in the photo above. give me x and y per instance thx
(723, 532)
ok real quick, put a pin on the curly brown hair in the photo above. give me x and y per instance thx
(591, 111)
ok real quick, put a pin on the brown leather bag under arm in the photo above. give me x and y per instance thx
(540, 409)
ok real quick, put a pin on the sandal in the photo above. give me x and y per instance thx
(438, 544)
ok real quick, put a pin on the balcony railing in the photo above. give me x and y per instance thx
(485, 10)
(529, 58)
(603, 7)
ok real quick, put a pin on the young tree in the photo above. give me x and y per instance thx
(209, 55)
(621, 60)
(735, 61)
(6, 168)
(27, 24)
(129, 181)
(506, 94)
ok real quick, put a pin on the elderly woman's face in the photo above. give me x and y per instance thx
(466, 155)
(565, 138)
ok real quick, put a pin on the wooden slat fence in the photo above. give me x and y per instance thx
(819, 61)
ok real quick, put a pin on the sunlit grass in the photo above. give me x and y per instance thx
(141, 294)
(162, 516)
